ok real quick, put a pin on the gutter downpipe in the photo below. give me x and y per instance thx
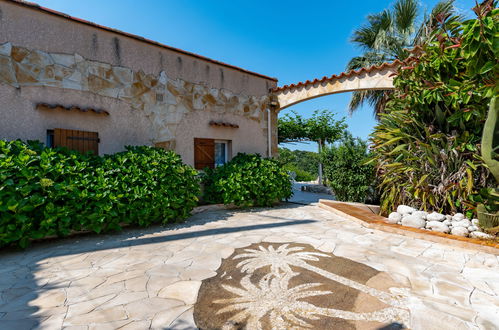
(269, 132)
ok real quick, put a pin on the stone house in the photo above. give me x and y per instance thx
(69, 82)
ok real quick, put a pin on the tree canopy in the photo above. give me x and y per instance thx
(321, 126)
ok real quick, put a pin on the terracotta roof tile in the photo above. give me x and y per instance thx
(36, 6)
(347, 74)
(45, 106)
(223, 124)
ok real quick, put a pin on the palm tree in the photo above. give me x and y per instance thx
(387, 36)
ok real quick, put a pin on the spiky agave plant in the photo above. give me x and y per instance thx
(488, 210)
(421, 166)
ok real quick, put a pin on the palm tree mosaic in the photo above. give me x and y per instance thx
(293, 286)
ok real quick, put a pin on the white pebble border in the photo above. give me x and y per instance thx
(456, 224)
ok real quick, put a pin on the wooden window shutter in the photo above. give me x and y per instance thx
(204, 153)
(77, 140)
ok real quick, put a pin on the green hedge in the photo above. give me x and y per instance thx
(350, 179)
(247, 180)
(301, 175)
(47, 192)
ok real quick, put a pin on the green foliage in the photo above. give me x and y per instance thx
(300, 175)
(488, 198)
(350, 179)
(247, 180)
(427, 145)
(386, 37)
(303, 163)
(47, 192)
(490, 139)
(320, 127)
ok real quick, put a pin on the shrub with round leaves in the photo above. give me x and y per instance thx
(247, 180)
(46, 192)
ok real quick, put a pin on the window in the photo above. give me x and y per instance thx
(210, 153)
(50, 138)
(221, 152)
(81, 141)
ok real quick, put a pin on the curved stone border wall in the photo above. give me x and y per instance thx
(374, 221)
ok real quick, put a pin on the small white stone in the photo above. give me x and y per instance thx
(478, 234)
(404, 209)
(421, 214)
(448, 217)
(462, 223)
(413, 221)
(472, 228)
(437, 226)
(447, 222)
(458, 217)
(434, 216)
(474, 222)
(394, 217)
(459, 231)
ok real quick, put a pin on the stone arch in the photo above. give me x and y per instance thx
(372, 78)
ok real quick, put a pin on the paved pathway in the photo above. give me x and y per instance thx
(149, 278)
(304, 197)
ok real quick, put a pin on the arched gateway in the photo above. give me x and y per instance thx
(372, 78)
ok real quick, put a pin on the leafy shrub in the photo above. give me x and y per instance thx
(47, 192)
(304, 163)
(247, 180)
(301, 175)
(427, 145)
(350, 179)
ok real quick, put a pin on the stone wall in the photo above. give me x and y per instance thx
(154, 94)
(163, 101)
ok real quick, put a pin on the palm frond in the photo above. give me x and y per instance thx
(364, 37)
(375, 98)
(372, 35)
(405, 13)
(443, 9)
(367, 60)
(385, 38)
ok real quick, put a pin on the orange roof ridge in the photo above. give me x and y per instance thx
(36, 6)
(350, 73)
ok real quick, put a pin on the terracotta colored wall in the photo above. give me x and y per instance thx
(20, 119)
(37, 30)
(247, 138)
(193, 91)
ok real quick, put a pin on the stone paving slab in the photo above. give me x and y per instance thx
(305, 197)
(149, 278)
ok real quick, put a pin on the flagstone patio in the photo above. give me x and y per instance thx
(150, 278)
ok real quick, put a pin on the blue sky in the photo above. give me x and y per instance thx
(290, 40)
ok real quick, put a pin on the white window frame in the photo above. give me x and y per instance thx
(226, 147)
